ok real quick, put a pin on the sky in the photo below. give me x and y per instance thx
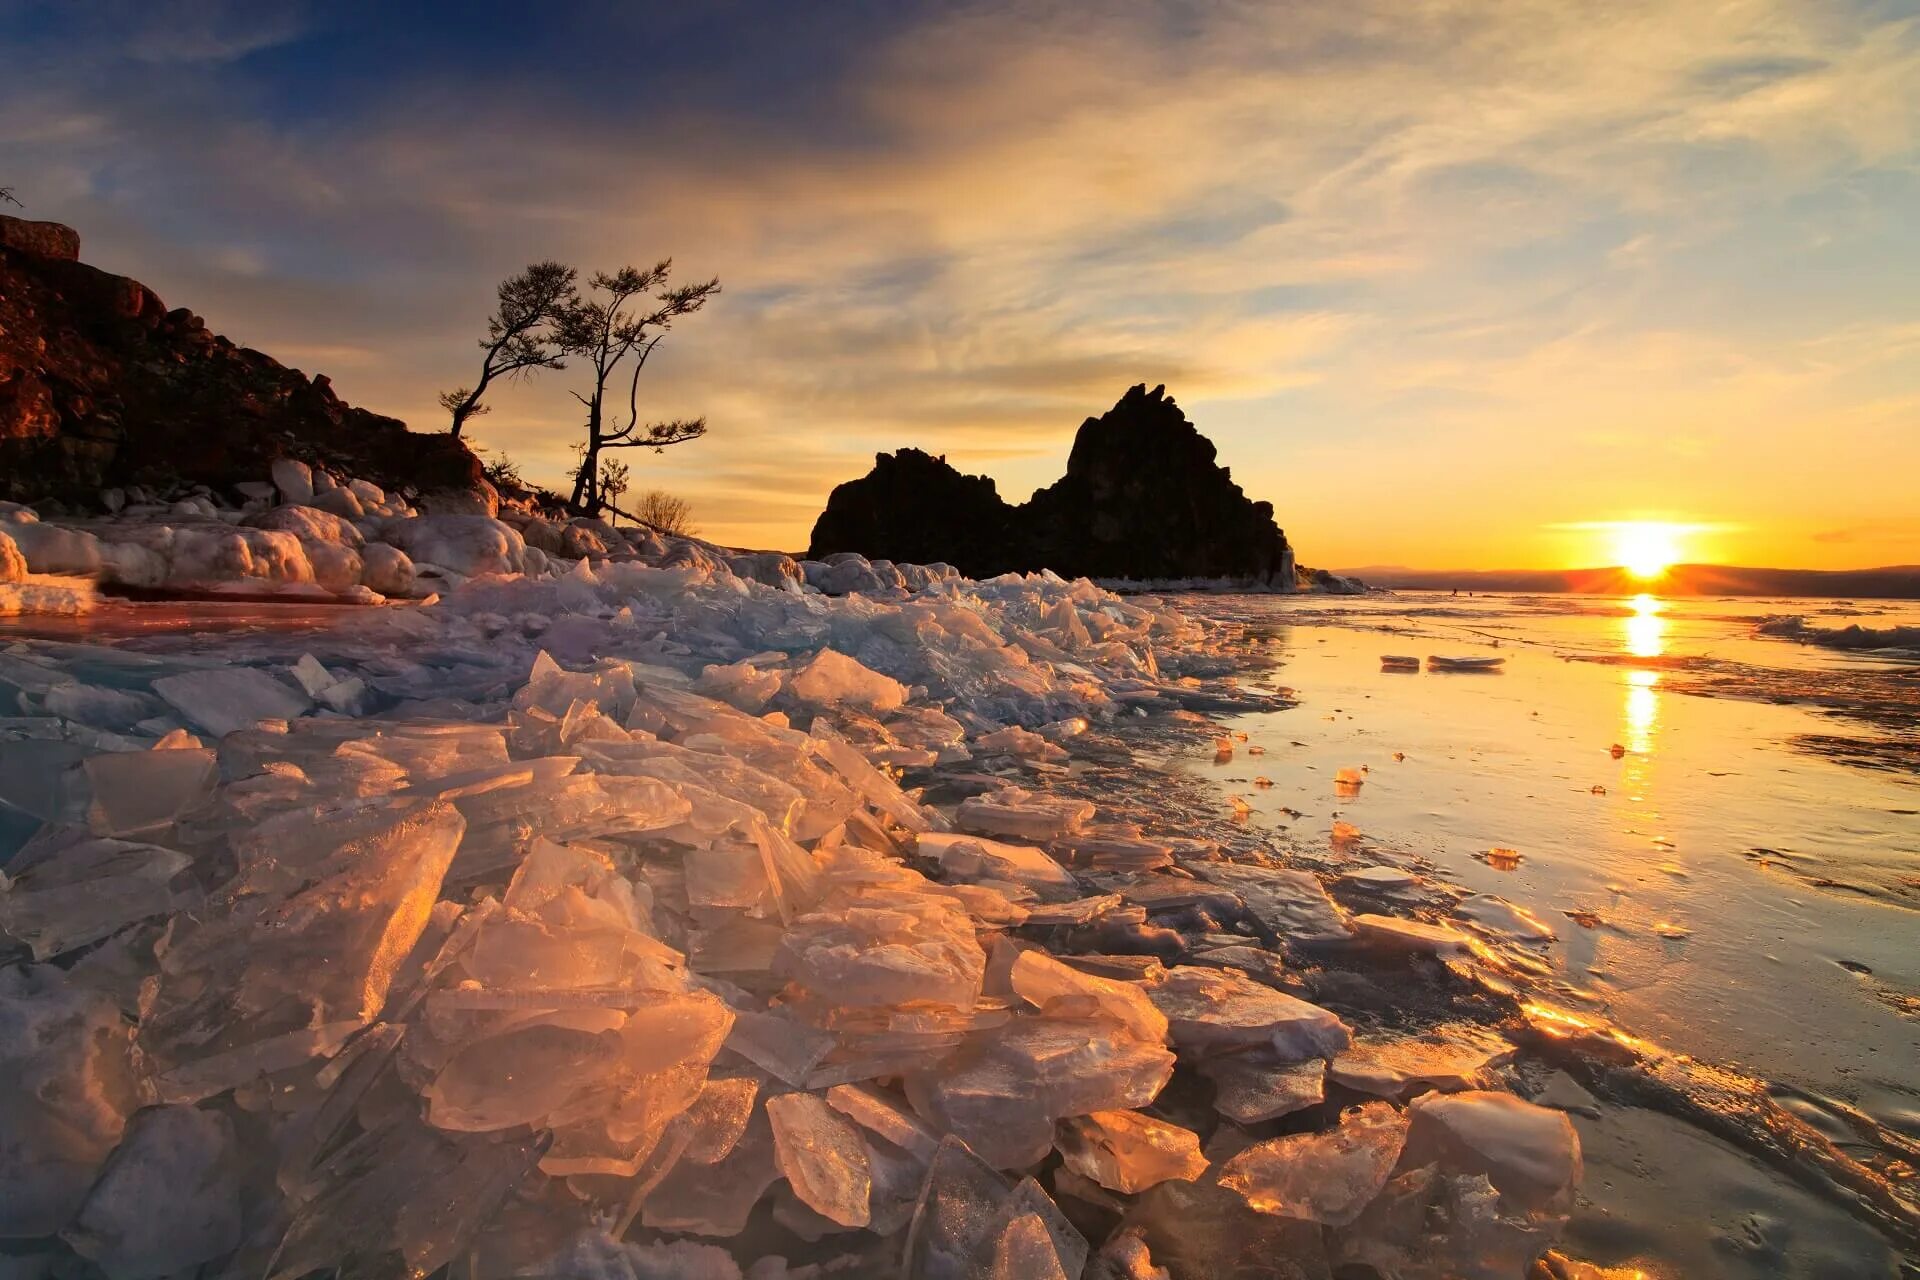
(1456, 284)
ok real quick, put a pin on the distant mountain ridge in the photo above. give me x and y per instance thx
(1891, 582)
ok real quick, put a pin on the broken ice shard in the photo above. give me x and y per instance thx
(822, 1156)
(1212, 1011)
(168, 1198)
(1322, 1177)
(1530, 1153)
(1127, 1151)
(267, 979)
(227, 699)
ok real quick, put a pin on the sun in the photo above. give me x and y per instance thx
(1646, 548)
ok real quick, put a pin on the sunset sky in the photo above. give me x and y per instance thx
(1452, 284)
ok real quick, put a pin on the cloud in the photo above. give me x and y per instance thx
(1630, 248)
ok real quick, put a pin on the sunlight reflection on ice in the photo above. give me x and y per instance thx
(1646, 628)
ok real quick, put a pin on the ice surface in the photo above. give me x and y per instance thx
(1322, 1177)
(885, 1116)
(1504, 919)
(275, 974)
(1023, 1250)
(400, 1190)
(1001, 1095)
(1387, 878)
(1022, 814)
(138, 791)
(1053, 987)
(967, 857)
(1197, 1229)
(1127, 1151)
(1031, 1238)
(958, 1208)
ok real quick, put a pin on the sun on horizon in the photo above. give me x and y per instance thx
(1646, 549)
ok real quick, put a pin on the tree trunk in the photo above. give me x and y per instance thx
(586, 485)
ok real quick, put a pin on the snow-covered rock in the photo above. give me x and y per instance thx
(539, 533)
(56, 549)
(341, 501)
(467, 545)
(583, 538)
(769, 568)
(294, 480)
(482, 500)
(307, 523)
(386, 569)
(13, 564)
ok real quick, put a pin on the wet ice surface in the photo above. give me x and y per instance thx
(584, 926)
(1717, 887)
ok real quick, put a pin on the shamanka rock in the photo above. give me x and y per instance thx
(1143, 498)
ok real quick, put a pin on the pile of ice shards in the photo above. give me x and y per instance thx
(583, 927)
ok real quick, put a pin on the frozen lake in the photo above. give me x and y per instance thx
(1738, 881)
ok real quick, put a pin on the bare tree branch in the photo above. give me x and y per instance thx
(521, 334)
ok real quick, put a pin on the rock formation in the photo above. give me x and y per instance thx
(915, 509)
(1143, 498)
(102, 386)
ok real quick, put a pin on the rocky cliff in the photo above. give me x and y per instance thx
(101, 385)
(1143, 498)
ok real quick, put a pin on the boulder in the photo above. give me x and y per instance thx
(43, 239)
(913, 506)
